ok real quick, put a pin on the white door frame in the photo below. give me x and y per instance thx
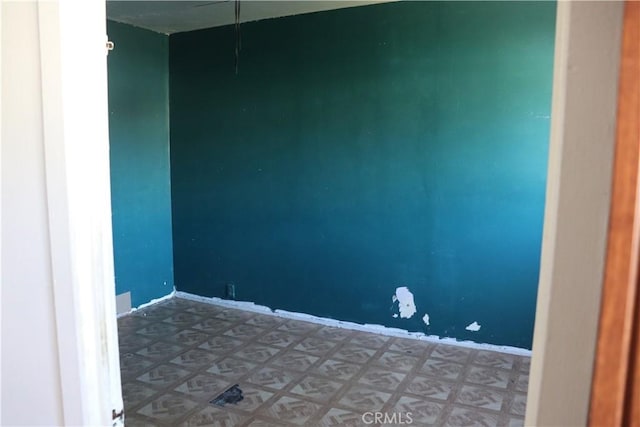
(581, 146)
(76, 140)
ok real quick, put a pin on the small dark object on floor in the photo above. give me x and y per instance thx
(232, 395)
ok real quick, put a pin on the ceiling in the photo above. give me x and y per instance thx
(176, 16)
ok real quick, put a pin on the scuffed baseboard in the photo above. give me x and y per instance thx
(378, 329)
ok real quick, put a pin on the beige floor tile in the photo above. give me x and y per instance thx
(443, 369)
(212, 416)
(368, 340)
(167, 408)
(160, 350)
(132, 342)
(298, 327)
(519, 404)
(163, 375)
(362, 398)
(213, 326)
(179, 355)
(336, 417)
(231, 368)
(480, 397)
(132, 364)
(338, 369)
(245, 332)
(465, 417)
(354, 353)
(279, 338)
(187, 337)
(273, 378)
(258, 353)
(411, 347)
(221, 344)
(431, 388)
(253, 398)
(315, 346)
(139, 421)
(134, 393)
(316, 388)
(419, 411)
(381, 378)
(292, 410)
(233, 315)
(153, 313)
(522, 383)
(203, 386)
(515, 422)
(488, 376)
(158, 329)
(183, 318)
(397, 361)
(451, 353)
(494, 359)
(296, 360)
(266, 322)
(334, 334)
(264, 422)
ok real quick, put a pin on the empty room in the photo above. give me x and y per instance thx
(224, 213)
(328, 213)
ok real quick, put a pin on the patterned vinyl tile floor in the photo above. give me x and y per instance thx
(178, 355)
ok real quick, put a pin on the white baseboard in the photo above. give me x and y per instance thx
(378, 329)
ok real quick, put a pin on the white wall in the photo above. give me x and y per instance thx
(31, 389)
(576, 213)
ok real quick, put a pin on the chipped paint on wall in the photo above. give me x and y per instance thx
(405, 302)
(474, 327)
(425, 319)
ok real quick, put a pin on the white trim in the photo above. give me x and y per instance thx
(376, 329)
(1, 276)
(64, 292)
(75, 133)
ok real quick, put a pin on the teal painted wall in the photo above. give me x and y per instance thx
(138, 71)
(363, 149)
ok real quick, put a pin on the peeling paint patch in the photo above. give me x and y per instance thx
(425, 319)
(474, 327)
(405, 302)
(395, 315)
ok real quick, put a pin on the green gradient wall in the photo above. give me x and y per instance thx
(138, 70)
(363, 149)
